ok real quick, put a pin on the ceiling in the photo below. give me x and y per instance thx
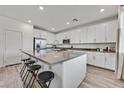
(57, 16)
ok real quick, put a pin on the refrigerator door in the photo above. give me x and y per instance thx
(39, 44)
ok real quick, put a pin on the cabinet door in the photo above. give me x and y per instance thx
(110, 60)
(13, 42)
(91, 34)
(37, 33)
(100, 33)
(59, 38)
(88, 57)
(2, 40)
(50, 38)
(72, 37)
(100, 59)
(91, 58)
(84, 35)
(76, 36)
(111, 31)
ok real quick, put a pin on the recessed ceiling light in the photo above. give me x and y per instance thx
(41, 8)
(67, 23)
(102, 10)
(53, 28)
(29, 21)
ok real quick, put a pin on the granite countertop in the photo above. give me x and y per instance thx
(54, 57)
(84, 49)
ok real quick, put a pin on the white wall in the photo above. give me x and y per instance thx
(27, 30)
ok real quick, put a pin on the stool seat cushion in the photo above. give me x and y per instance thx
(26, 59)
(30, 62)
(34, 67)
(45, 76)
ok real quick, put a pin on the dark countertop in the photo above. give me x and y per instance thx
(83, 49)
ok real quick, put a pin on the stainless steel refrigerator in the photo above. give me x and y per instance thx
(39, 44)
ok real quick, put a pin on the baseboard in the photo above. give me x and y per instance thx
(101, 67)
(12, 64)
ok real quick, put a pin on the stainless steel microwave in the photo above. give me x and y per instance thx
(66, 41)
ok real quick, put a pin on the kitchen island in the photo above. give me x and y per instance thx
(68, 66)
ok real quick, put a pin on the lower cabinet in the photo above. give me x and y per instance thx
(104, 60)
(110, 60)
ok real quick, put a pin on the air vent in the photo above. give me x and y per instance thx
(75, 20)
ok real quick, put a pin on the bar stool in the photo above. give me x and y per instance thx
(24, 66)
(27, 64)
(45, 78)
(33, 70)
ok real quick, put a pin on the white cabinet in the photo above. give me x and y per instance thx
(111, 31)
(72, 36)
(101, 33)
(91, 34)
(50, 37)
(59, 38)
(84, 35)
(75, 38)
(2, 38)
(104, 60)
(90, 58)
(99, 59)
(110, 59)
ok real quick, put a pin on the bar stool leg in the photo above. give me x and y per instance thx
(22, 70)
(29, 81)
(26, 77)
(35, 75)
(49, 84)
(40, 84)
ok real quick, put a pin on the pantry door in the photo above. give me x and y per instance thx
(13, 44)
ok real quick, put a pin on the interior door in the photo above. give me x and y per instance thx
(13, 43)
(1, 48)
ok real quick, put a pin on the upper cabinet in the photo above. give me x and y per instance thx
(111, 31)
(91, 34)
(98, 33)
(83, 34)
(50, 37)
(102, 33)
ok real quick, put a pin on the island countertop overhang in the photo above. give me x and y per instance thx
(54, 57)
